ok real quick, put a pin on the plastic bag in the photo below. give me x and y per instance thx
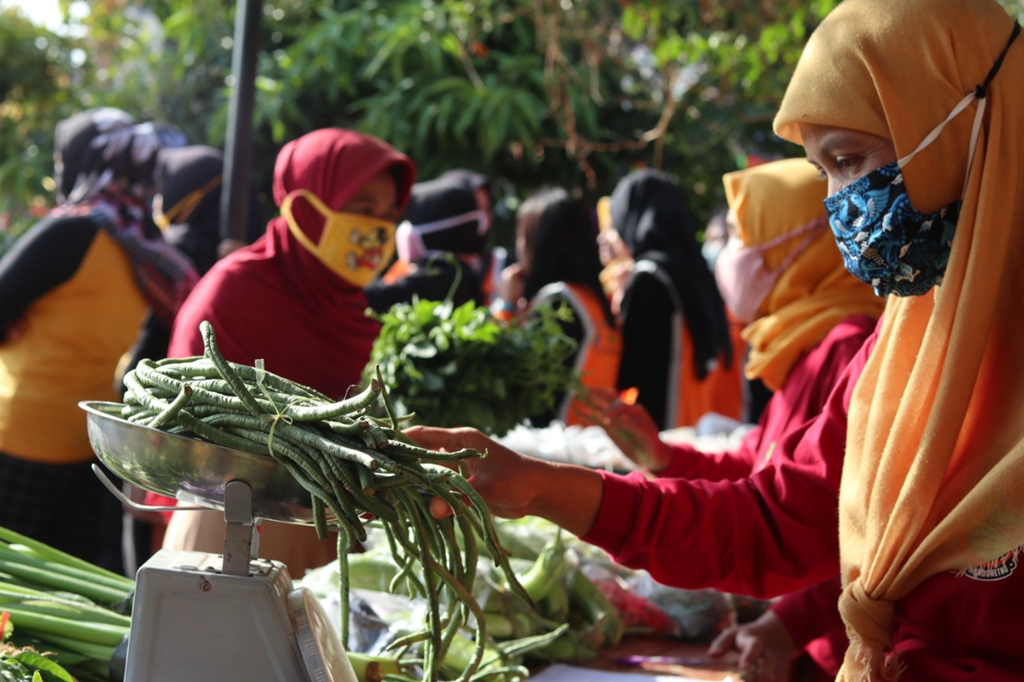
(699, 614)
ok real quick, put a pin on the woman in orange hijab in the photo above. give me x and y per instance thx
(931, 513)
(779, 274)
(912, 110)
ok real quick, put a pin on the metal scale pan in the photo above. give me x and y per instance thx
(200, 616)
(190, 470)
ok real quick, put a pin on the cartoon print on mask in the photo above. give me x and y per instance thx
(372, 238)
(371, 248)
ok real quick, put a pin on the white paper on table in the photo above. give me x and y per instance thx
(567, 673)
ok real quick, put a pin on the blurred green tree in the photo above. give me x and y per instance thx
(35, 87)
(568, 92)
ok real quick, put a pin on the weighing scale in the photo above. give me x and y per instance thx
(199, 616)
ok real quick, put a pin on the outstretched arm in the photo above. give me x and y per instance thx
(763, 536)
(515, 485)
(770, 533)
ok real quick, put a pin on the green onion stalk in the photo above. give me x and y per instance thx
(58, 604)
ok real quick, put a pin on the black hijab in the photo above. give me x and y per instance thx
(188, 180)
(650, 214)
(73, 140)
(440, 199)
(97, 149)
(183, 170)
(562, 243)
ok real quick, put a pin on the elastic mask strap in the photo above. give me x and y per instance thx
(978, 93)
(445, 223)
(963, 104)
(293, 226)
(183, 209)
(810, 226)
(815, 227)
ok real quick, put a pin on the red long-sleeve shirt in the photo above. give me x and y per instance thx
(800, 398)
(698, 499)
(776, 531)
(811, 616)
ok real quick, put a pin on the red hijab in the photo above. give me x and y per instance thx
(274, 300)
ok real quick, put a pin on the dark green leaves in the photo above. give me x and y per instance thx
(29, 666)
(461, 367)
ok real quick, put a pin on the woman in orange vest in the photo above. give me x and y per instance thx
(677, 347)
(558, 261)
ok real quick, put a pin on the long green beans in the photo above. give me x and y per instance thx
(355, 468)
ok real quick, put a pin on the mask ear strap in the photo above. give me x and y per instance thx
(453, 221)
(183, 209)
(811, 230)
(975, 130)
(963, 104)
(317, 203)
(978, 93)
(293, 227)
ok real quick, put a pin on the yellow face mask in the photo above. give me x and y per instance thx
(353, 246)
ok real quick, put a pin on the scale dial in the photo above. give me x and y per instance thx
(318, 641)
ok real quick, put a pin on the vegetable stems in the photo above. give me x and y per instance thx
(354, 467)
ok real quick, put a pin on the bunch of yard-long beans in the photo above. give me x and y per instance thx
(351, 464)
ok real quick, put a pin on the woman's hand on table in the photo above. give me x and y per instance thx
(514, 485)
(764, 643)
(630, 427)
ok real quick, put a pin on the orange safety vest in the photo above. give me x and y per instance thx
(600, 349)
(687, 397)
(488, 282)
(399, 270)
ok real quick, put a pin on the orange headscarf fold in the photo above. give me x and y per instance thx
(815, 292)
(932, 479)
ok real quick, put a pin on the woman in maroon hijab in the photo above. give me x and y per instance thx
(295, 299)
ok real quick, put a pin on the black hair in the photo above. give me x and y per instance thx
(561, 239)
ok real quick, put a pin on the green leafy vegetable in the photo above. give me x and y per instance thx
(25, 665)
(459, 366)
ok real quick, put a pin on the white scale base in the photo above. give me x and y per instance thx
(192, 622)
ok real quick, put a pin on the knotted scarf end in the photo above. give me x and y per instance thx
(878, 665)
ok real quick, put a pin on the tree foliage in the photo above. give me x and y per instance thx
(568, 92)
(34, 86)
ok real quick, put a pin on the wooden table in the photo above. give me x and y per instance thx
(721, 671)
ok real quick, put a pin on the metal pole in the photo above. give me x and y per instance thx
(234, 203)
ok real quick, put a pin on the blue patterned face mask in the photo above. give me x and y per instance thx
(884, 240)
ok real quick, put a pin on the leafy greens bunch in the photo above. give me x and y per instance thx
(459, 366)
